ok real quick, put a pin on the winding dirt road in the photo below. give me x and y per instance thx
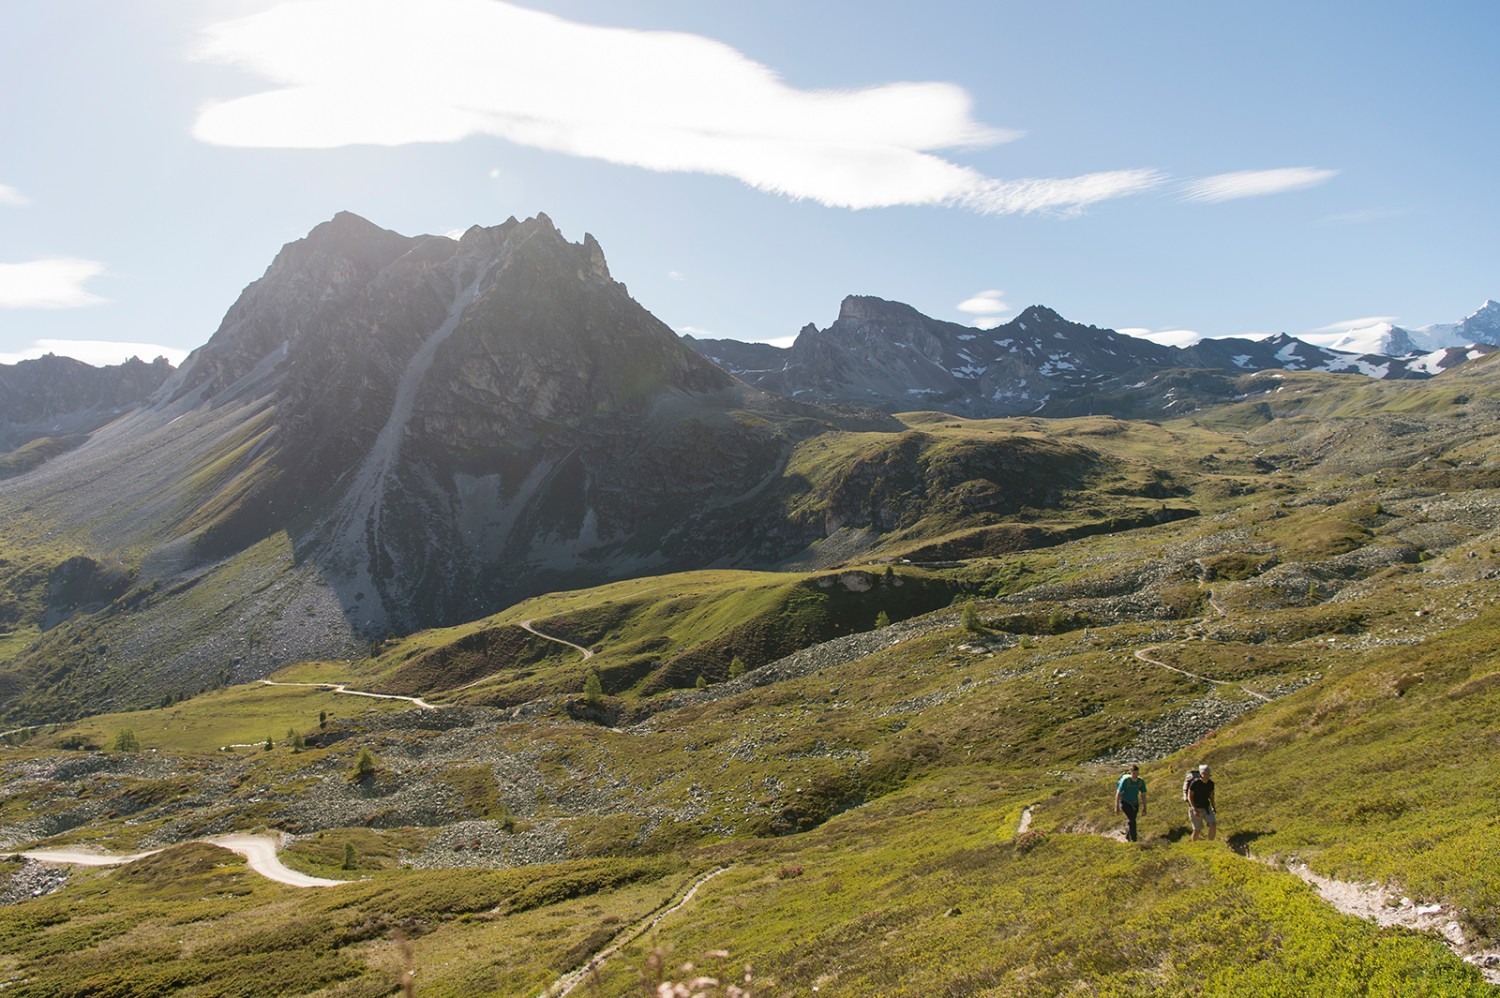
(525, 625)
(260, 852)
(341, 688)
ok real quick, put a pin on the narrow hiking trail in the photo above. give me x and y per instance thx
(525, 625)
(342, 688)
(1368, 901)
(570, 981)
(260, 852)
(1144, 654)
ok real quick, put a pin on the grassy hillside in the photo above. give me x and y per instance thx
(1321, 632)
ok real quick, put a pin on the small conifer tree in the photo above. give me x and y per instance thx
(971, 619)
(364, 766)
(349, 856)
(701, 683)
(882, 619)
(736, 667)
(593, 689)
(126, 741)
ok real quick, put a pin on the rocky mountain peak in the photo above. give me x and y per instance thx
(1484, 325)
(345, 237)
(1036, 315)
(867, 307)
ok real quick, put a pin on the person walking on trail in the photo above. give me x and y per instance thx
(1199, 792)
(1130, 797)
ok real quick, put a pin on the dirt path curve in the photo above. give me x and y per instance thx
(570, 981)
(1369, 902)
(1144, 654)
(260, 852)
(1377, 905)
(525, 625)
(341, 688)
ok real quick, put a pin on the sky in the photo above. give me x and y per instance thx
(1170, 169)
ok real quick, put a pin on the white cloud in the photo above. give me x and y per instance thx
(1348, 324)
(1066, 196)
(676, 275)
(392, 72)
(1254, 183)
(989, 306)
(97, 352)
(53, 282)
(985, 303)
(1165, 337)
(9, 195)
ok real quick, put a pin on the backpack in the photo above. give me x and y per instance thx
(1187, 784)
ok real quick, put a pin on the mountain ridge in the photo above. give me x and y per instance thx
(890, 356)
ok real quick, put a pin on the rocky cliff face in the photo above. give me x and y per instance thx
(472, 420)
(59, 396)
(391, 432)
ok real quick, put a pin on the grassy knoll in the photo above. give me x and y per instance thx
(243, 716)
(650, 635)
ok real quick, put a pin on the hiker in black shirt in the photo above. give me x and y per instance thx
(1200, 798)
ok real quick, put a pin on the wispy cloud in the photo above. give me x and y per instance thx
(97, 352)
(1348, 324)
(53, 282)
(664, 101)
(9, 195)
(1254, 183)
(676, 275)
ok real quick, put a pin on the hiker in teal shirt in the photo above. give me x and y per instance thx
(1130, 797)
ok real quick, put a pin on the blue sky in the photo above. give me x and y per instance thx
(1215, 168)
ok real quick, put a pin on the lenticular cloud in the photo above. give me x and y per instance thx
(391, 72)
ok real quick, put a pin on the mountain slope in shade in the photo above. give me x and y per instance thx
(391, 432)
(59, 398)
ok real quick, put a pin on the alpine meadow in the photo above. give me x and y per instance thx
(451, 623)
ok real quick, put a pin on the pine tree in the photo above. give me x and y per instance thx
(126, 741)
(364, 767)
(736, 667)
(593, 689)
(349, 856)
(882, 619)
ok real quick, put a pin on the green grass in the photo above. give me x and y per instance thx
(943, 901)
(651, 636)
(240, 715)
(866, 812)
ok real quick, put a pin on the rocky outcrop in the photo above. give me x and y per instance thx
(59, 397)
(388, 433)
